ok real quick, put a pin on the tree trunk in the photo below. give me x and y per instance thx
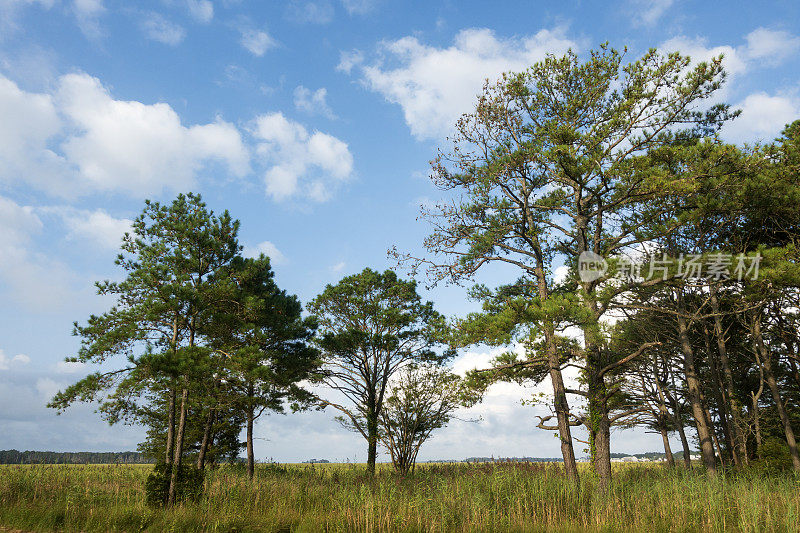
(757, 421)
(667, 449)
(206, 442)
(687, 452)
(729, 392)
(170, 425)
(178, 457)
(561, 407)
(372, 440)
(718, 390)
(600, 431)
(693, 386)
(769, 377)
(560, 402)
(251, 460)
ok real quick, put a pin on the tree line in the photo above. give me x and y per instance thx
(675, 305)
(16, 457)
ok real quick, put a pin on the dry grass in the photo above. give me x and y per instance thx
(454, 497)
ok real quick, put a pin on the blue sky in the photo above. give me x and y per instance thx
(312, 122)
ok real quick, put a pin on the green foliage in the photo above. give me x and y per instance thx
(189, 487)
(775, 456)
(371, 324)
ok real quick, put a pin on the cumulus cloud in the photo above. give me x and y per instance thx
(257, 42)
(762, 47)
(763, 117)
(771, 46)
(35, 281)
(135, 147)
(159, 29)
(79, 139)
(267, 248)
(96, 228)
(313, 102)
(698, 49)
(435, 86)
(29, 122)
(6, 362)
(299, 162)
(201, 10)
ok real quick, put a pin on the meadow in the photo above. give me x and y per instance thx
(437, 497)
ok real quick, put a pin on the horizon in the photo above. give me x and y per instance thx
(107, 105)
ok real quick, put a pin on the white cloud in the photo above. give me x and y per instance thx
(29, 122)
(140, 148)
(359, 7)
(348, 60)
(338, 267)
(19, 223)
(9, 9)
(762, 47)
(201, 10)
(80, 139)
(35, 281)
(763, 117)
(88, 12)
(313, 103)
(435, 86)
(97, 228)
(257, 42)
(647, 12)
(64, 367)
(698, 49)
(771, 47)
(157, 28)
(298, 162)
(311, 11)
(267, 248)
(6, 362)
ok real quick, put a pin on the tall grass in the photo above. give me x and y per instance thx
(453, 497)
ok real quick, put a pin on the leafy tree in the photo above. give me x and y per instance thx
(265, 345)
(161, 308)
(421, 400)
(554, 162)
(371, 325)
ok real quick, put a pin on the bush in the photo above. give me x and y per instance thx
(189, 487)
(775, 456)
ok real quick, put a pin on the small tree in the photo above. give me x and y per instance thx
(264, 340)
(421, 401)
(371, 325)
(158, 319)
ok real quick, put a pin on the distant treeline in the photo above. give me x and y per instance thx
(16, 457)
(512, 460)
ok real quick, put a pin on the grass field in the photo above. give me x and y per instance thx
(453, 497)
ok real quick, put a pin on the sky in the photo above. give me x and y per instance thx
(312, 122)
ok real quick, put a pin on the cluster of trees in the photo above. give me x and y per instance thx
(16, 457)
(574, 162)
(619, 167)
(211, 343)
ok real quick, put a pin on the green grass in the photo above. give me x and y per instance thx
(454, 497)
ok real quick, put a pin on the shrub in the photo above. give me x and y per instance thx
(189, 487)
(775, 456)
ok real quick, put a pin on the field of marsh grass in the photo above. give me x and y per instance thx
(438, 497)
